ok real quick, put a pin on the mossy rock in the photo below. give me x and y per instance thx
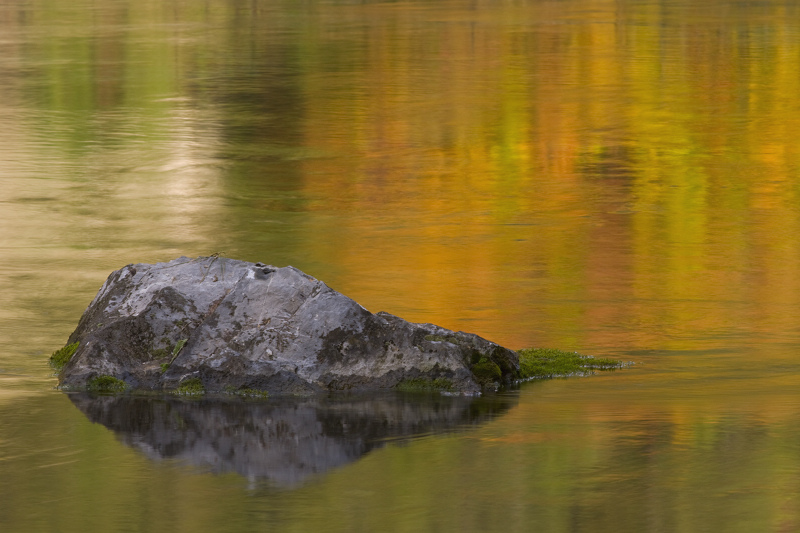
(173, 354)
(106, 384)
(159, 353)
(486, 371)
(63, 355)
(191, 387)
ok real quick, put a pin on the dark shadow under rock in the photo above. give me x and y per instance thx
(282, 441)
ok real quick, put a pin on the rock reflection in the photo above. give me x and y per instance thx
(281, 441)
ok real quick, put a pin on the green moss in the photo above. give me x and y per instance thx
(549, 362)
(178, 348)
(486, 371)
(175, 351)
(106, 384)
(62, 356)
(159, 353)
(247, 392)
(423, 384)
(191, 387)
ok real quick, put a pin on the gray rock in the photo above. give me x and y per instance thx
(237, 326)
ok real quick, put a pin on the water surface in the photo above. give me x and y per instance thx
(619, 178)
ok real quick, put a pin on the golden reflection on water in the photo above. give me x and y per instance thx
(630, 165)
(642, 172)
(613, 177)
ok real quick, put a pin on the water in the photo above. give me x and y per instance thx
(617, 178)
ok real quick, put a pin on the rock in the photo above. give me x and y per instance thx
(220, 325)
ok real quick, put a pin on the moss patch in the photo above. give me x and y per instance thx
(62, 356)
(247, 392)
(106, 384)
(425, 385)
(486, 371)
(159, 353)
(175, 351)
(191, 387)
(549, 362)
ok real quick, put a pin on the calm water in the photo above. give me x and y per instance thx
(620, 178)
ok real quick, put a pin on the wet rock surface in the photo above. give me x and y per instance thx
(228, 326)
(282, 442)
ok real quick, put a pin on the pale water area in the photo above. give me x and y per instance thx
(620, 178)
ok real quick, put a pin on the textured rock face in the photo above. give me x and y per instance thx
(234, 325)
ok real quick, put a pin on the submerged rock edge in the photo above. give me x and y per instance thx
(234, 325)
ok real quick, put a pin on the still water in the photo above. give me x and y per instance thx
(620, 178)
